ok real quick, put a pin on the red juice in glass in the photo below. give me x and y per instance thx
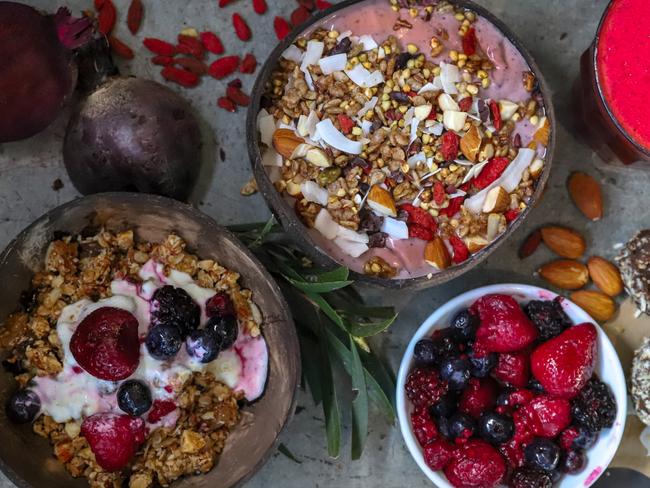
(615, 83)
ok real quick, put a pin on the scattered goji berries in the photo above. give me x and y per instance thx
(322, 4)
(158, 46)
(162, 60)
(212, 42)
(260, 6)
(465, 104)
(346, 123)
(106, 17)
(120, 48)
(511, 215)
(282, 27)
(190, 45)
(450, 145)
(99, 4)
(241, 27)
(225, 3)
(223, 67)
(491, 171)
(496, 114)
(469, 42)
(308, 4)
(192, 64)
(181, 76)
(461, 252)
(453, 208)
(134, 16)
(300, 15)
(227, 104)
(420, 223)
(248, 64)
(236, 94)
(439, 193)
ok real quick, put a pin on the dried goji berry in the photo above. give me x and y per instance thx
(300, 15)
(465, 104)
(190, 45)
(248, 64)
(469, 42)
(282, 27)
(181, 76)
(238, 96)
(308, 4)
(453, 208)
(192, 64)
(511, 215)
(212, 42)
(223, 67)
(241, 27)
(162, 60)
(419, 217)
(461, 253)
(227, 104)
(134, 16)
(450, 146)
(260, 6)
(496, 115)
(491, 171)
(224, 3)
(106, 18)
(346, 123)
(158, 46)
(119, 48)
(322, 4)
(236, 83)
(439, 192)
(419, 232)
(99, 4)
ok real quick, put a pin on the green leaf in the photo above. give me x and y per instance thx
(384, 377)
(310, 349)
(330, 401)
(285, 450)
(263, 234)
(369, 329)
(338, 274)
(368, 312)
(327, 309)
(318, 287)
(359, 403)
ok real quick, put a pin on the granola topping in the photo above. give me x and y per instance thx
(440, 114)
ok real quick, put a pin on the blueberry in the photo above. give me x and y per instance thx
(461, 425)
(134, 397)
(456, 372)
(535, 386)
(174, 306)
(444, 427)
(503, 400)
(164, 341)
(424, 353)
(585, 439)
(23, 406)
(445, 406)
(204, 345)
(225, 330)
(572, 462)
(445, 345)
(496, 428)
(543, 454)
(481, 367)
(465, 325)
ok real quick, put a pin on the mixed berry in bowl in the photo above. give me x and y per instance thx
(507, 394)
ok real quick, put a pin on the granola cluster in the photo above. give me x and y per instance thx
(384, 142)
(78, 267)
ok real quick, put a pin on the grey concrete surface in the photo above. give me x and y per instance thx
(555, 31)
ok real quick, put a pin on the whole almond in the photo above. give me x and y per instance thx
(565, 273)
(285, 142)
(605, 275)
(595, 303)
(586, 194)
(437, 254)
(564, 242)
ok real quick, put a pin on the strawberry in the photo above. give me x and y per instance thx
(476, 464)
(114, 439)
(548, 416)
(513, 369)
(504, 326)
(106, 344)
(564, 364)
(479, 397)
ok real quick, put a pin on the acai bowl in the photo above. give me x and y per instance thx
(145, 343)
(404, 143)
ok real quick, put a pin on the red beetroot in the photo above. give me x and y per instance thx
(513, 369)
(114, 439)
(241, 27)
(159, 409)
(260, 7)
(479, 397)
(212, 42)
(223, 67)
(424, 427)
(106, 344)
(281, 27)
(548, 416)
(158, 46)
(438, 454)
(564, 364)
(248, 64)
(504, 326)
(476, 464)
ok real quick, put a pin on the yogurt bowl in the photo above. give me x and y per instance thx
(608, 369)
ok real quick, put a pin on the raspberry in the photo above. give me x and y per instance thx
(219, 305)
(530, 478)
(548, 416)
(549, 318)
(594, 408)
(476, 463)
(567, 437)
(174, 306)
(159, 409)
(479, 397)
(424, 387)
(513, 369)
(114, 439)
(438, 454)
(424, 427)
(513, 451)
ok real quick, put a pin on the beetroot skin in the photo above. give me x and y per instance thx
(132, 134)
(37, 72)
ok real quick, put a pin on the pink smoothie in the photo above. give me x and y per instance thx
(623, 65)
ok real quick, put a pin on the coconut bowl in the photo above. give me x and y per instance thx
(27, 459)
(284, 211)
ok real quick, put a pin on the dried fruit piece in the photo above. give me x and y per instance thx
(120, 48)
(605, 275)
(439, 192)
(470, 42)
(543, 133)
(563, 241)
(158, 46)
(181, 76)
(381, 200)
(281, 27)
(496, 115)
(436, 253)
(223, 67)
(190, 45)
(461, 252)
(212, 42)
(107, 17)
(530, 244)
(260, 7)
(491, 171)
(346, 123)
(134, 16)
(454, 207)
(299, 15)
(449, 146)
(192, 64)
(238, 96)
(512, 214)
(248, 64)
(566, 274)
(586, 194)
(162, 60)
(227, 104)
(225, 3)
(322, 4)
(285, 142)
(496, 201)
(596, 303)
(241, 27)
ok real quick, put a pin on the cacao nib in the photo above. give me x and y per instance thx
(399, 96)
(378, 239)
(516, 142)
(402, 60)
(370, 222)
(343, 47)
(483, 111)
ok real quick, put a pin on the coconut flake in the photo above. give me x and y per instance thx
(326, 225)
(408, 116)
(509, 180)
(414, 129)
(436, 129)
(314, 193)
(459, 193)
(381, 53)
(343, 35)
(271, 158)
(266, 126)
(366, 125)
(449, 76)
(307, 125)
(429, 87)
(370, 105)
(352, 236)
(396, 229)
(416, 158)
(293, 53)
(312, 54)
(364, 78)
(351, 248)
(368, 43)
(446, 102)
(336, 139)
(474, 171)
(334, 63)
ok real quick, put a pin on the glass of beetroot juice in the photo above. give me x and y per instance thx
(612, 92)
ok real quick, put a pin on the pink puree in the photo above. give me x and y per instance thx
(624, 65)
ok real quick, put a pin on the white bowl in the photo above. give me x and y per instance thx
(608, 368)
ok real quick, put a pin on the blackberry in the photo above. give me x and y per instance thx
(446, 406)
(594, 408)
(424, 387)
(530, 478)
(549, 318)
(174, 306)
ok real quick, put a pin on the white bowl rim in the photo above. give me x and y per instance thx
(606, 349)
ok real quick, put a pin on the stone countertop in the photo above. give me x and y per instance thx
(555, 31)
